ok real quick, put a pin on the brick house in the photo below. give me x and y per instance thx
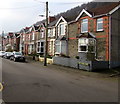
(94, 35)
(9, 41)
(61, 37)
(5, 40)
(16, 41)
(51, 36)
(24, 40)
(33, 31)
(40, 38)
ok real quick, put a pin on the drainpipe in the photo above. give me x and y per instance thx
(67, 39)
(110, 42)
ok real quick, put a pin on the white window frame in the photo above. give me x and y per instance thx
(52, 45)
(31, 48)
(33, 36)
(56, 46)
(23, 37)
(42, 32)
(87, 44)
(59, 29)
(83, 22)
(49, 32)
(99, 21)
(61, 44)
(40, 47)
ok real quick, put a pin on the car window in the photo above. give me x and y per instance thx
(17, 53)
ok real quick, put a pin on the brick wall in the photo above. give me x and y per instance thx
(102, 48)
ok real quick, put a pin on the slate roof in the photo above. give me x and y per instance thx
(41, 22)
(53, 23)
(104, 9)
(36, 27)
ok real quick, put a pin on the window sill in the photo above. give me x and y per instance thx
(84, 32)
(85, 52)
(56, 53)
(99, 30)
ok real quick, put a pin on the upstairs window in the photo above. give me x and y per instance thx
(33, 36)
(100, 24)
(49, 32)
(84, 26)
(42, 33)
(61, 29)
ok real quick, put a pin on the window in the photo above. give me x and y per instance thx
(23, 37)
(100, 24)
(86, 45)
(31, 48)
(40, 47)
(51, 32)
(42, 33)
(84, 25)
(33, 36)
(52, 47)
(60, 47)
(62, 29)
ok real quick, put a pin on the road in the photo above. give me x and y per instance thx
(30, 82)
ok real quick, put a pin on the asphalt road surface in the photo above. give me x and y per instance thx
(29, 82)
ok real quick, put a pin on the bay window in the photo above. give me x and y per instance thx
(60, 47)
(40, 47)
(86, 45)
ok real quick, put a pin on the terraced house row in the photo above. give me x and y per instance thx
(89, 41)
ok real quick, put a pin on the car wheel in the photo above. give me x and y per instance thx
(10, 58)
(14, 60)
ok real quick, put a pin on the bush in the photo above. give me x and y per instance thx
(34, 55)
(63, 55)
(77, 57)
(48, 56)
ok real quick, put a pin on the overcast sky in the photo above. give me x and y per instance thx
(17, 14)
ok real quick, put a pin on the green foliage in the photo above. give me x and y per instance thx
(63, 55)
(48, 56)
(33, 55)
(77, 57)
(9, 50)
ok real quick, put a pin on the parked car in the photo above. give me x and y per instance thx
(8, 55)
(17, 56)
(2, 53)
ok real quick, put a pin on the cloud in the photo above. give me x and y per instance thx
(20, 13)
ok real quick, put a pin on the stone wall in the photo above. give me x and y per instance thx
(73, 41)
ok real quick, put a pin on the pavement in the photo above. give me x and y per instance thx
(33, 82)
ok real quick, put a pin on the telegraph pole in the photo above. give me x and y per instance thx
(46, 35)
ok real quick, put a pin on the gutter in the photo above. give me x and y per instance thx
(99, 15)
